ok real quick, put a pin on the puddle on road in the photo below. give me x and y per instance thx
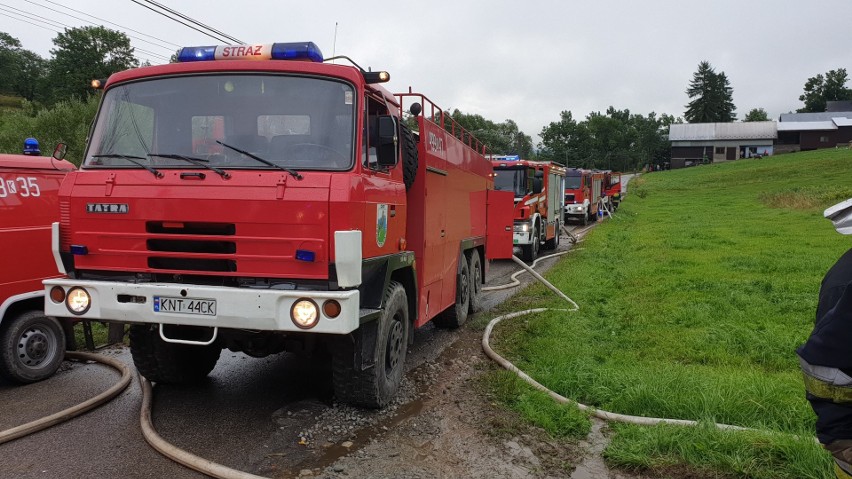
(337, 450)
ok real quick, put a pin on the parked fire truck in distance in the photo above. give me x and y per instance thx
(612, 189)
(539, 201)
(258, 199)
(32, 345)
(583, 192)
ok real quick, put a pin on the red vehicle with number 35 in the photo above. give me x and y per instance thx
(32, 345)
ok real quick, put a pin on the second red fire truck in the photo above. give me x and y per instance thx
(32, 345)
(259, 199)
(539, 200)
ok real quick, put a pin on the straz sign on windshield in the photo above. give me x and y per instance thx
(165, 304)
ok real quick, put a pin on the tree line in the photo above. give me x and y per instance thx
(78, 56)
(615, 139)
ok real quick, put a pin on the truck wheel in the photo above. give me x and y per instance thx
(32, 347)
(475, 282)
(169, 363)
(586, 218)
(409, 156)
(531, 250)
(456, 315)
(375, 386)
(553, 243)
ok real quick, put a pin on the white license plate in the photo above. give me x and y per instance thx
(165, 304)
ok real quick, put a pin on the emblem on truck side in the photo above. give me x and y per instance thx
(114, 208)
(381, 224)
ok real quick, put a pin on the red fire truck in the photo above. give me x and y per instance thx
(32, 345)
(583, 192)
(321, 223)
(537, 187)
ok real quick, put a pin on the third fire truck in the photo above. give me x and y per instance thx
(584, 190)
(539, 201)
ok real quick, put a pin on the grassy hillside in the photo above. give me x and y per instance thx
(693, 301)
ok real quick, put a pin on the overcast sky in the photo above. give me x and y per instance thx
(520, 60)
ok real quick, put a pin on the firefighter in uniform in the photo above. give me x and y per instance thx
(826, 357)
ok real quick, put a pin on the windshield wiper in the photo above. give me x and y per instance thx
(293, 172)
(132, 159)
(195, 161)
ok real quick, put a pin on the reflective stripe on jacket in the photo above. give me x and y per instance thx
(826, 382)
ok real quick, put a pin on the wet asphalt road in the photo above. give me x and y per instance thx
(232, 418)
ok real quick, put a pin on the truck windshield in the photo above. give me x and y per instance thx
(572, 182)
(511, 180)
(293, 122)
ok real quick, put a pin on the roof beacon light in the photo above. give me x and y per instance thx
(305, 51)
(197, 54)
(297, 51)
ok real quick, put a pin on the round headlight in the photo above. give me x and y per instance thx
(78, 300)
(304, 313)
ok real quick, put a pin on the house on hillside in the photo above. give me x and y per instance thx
(810, 131)
(695, 143)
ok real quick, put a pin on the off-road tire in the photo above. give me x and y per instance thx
(409, 155)
(553, 243)
(586, 218)
(168, 363)
(456, 315)
(530, 251)
(32, 347)
(375, 386)
(475, 282)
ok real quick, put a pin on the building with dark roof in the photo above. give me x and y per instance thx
(694, 143)
(811, 131)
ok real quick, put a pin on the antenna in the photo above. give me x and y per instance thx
(334, 44)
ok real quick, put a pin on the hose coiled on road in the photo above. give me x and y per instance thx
(74, 411)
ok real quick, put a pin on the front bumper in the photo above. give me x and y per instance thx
(240, 308)
(575, 210)
(522, 232)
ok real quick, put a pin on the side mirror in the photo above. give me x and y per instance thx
(59, 151)
(387, 149)
(538, 184)
(415, 109)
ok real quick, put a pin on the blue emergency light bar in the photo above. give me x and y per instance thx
(271, 51)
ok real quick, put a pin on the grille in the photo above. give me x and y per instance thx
(193, 264)
(65, 223)
(186, 228)
(569, 198)
(202, 243)
(192, 246)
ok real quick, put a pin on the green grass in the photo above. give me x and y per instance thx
(693, 301)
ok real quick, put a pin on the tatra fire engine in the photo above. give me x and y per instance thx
(261, 199)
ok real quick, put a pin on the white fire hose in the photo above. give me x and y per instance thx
(74, 411)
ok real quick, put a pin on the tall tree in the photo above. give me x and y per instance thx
(821, 89)
(21, 71)
(711, 97)
(756, 114)
(82, 54)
